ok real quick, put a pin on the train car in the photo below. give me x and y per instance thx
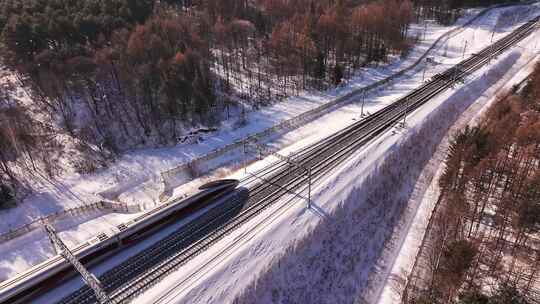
(153, 220)
(47, 274)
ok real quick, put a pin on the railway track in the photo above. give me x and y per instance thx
(145, 269)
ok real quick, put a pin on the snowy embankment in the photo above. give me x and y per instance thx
(144, 166)
(331, 259)
(400, 258)
(343, 248)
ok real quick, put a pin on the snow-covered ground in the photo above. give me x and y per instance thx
(334, 252)
(144, 166)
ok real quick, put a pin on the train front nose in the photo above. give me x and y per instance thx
(225, 183)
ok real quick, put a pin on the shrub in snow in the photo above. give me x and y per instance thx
(457, 258)
(7, 196)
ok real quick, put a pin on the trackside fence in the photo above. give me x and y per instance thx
(108, 206)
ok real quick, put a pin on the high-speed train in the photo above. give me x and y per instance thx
(47, 274)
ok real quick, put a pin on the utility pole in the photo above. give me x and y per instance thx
(309, 187)
(363, 103)
(464, 49)
(454, 77)
(406, 110)
(245, 157)
(88, 277)
(490, 53)
(491, 44)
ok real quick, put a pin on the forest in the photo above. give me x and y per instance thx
(122, 74)
(483, 245)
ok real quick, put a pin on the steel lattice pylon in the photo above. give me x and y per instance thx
(88, 277)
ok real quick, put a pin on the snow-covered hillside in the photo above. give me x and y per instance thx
(144, 166)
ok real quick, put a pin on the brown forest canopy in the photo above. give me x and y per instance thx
(119, 74)
(30, 27)
(482, 246)
(123, 73)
